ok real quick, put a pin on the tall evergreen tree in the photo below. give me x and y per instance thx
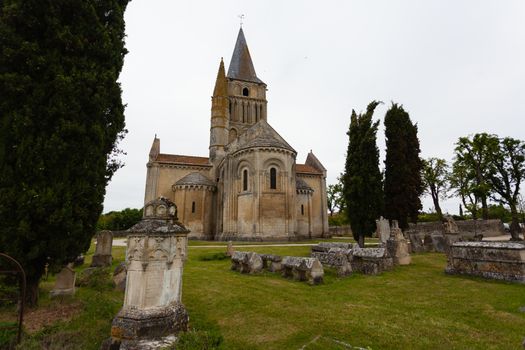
(403, 184)
(61, 116)
(362, 180)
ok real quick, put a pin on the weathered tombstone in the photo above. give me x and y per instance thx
(371, 261)
(152, 313)
(119, 276)
(229, 249)
(397, 246)
(102, 256)
(303, 269)
(449, 225)
(251, 263)
(271, 262)
(493, 260)
(65, 283)
(337, 256)
(428, 243)
(439, 242)
(383, 230)
(416, 243)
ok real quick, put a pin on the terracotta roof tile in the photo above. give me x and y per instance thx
(178, 159)
(306, 169)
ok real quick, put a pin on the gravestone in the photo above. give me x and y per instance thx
(229, 249)
(383, 230)
(397, 245)
(119, 276)
(102, 256)
(65, 283)
(152, 313)
(449, 225)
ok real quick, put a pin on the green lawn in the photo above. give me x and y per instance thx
(412, 307)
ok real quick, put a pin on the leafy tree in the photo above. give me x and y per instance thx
(334, 194)
(119, 220)
(61, 116)
(403, 183)
(462, 181)
(500, 212)
(435, 180)
(508, 160)
(362, 178)
(473, 155)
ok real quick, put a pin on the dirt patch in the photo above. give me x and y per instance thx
(36, 319)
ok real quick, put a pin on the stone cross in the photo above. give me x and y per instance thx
(65, 283)
(102, 256)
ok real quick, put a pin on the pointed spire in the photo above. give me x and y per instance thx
(241, 65)
(155, 149)
(221, 85)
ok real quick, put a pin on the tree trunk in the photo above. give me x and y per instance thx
(361, 241)
(514, 226)
(32, 293)
(435, 199)
(484, 208)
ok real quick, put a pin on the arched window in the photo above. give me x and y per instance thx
(273, 178)
(245, 92)
(245, 180)
(193, 207)
(302, 209)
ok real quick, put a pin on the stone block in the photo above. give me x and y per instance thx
(303, 269)
(371, 261)
(338, 258)
(246, 262)
(493, 260)
(272, 262)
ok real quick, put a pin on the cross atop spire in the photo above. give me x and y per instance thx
(241, 65)
(241, 17)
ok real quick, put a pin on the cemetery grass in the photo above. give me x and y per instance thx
(411, 307)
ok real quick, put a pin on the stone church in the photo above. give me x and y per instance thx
(250, 187)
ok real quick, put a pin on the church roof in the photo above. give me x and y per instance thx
(186, 160)
(195, 179)
(300, 184)
(306, 169)
(241, 65)
(260, 134)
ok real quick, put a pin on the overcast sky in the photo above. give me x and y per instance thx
(458, 68)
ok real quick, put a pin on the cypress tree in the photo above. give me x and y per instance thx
(403, 184)
(362, 178)
(61, 117)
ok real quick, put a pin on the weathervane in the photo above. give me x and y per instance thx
(241, 17)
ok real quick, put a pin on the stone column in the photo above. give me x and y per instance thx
(152, 313)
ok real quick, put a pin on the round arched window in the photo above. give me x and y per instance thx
(245, 92)
(273, 178)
